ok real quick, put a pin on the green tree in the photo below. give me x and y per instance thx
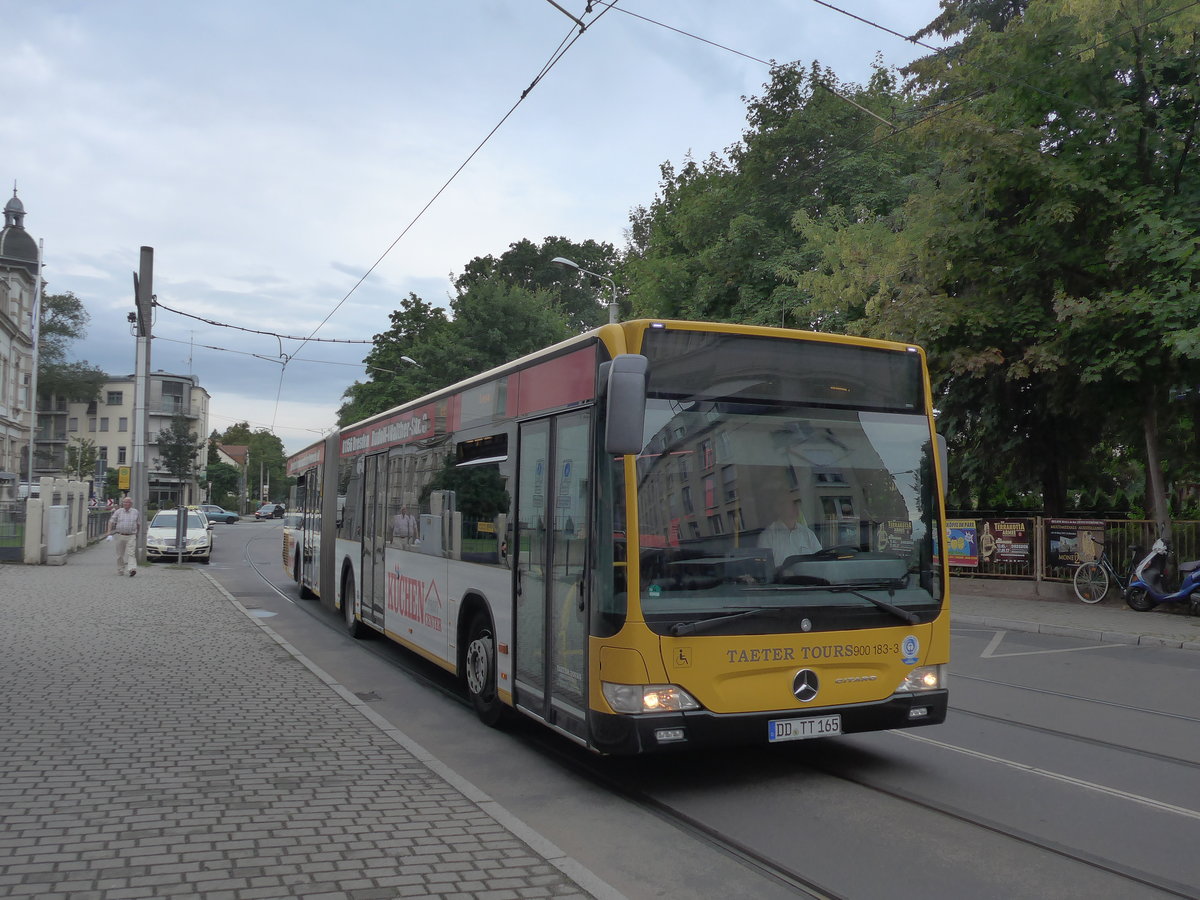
(81, 458)
(62, 321)
(391, 379)
(178, 449)
(1049, 264)
(224, 481)
(267, 463)
(580, 298)
(494, 321)
(718, 242)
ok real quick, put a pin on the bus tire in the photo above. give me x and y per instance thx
(305, 593)
(355, 628)
(479, 670)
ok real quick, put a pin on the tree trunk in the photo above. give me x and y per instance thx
(1157, 498)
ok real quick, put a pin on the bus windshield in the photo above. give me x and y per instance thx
(753, 507)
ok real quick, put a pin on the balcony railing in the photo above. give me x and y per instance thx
(172, 409)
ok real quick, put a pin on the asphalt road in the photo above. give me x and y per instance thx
(1063, 770)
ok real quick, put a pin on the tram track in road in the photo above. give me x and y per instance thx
(1128, 873)
(1065, 696)
(566, 756)
(598, 771)
(1140, 752)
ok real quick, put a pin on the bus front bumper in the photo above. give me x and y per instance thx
(698, 729)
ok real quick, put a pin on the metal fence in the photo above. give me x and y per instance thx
(12, 530)
(12, 527)
(97, 523)
(1039, 552)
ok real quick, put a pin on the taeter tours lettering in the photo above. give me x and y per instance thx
(825, 651)
(414, 600)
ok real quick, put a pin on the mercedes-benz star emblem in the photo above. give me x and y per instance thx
(805, 685)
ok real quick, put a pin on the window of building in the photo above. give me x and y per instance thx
(120, 456)
(123, 423)
(172, 397)
(102, 453)
(729, 482)
(104, 423)
(73, 423)
(91, 423)
(115, 398)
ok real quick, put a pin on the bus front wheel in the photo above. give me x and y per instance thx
(480, 666)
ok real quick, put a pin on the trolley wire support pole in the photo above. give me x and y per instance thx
(143, 285)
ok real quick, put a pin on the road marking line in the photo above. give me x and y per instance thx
(1058, 776)
(998, 638)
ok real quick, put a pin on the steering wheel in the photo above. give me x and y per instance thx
(836, 552)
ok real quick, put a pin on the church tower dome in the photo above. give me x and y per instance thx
(18, 249)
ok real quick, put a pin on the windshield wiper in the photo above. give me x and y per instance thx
(890, 585)
(680, 628)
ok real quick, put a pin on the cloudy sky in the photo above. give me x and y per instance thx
(272, 152)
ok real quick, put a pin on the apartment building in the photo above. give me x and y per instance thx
(108, 422)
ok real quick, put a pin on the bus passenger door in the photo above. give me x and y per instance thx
(374, 538)
(310, 524)
(550, 640)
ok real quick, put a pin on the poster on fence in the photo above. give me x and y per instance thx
(962, 542)
(1074, 541)
(1005, 541)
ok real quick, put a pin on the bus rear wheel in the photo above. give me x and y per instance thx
(354, 627)
(305, 593)
(480, 670)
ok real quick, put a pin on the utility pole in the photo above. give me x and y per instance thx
(35, 331)
(143, 286)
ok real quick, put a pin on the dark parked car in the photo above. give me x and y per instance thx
(269, 511)
(217, 514)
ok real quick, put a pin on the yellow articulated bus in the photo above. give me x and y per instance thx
(658, 535)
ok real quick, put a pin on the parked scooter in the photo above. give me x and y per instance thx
(1153, 583)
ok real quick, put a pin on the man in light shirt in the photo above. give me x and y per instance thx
(788, 535)
(123, 527)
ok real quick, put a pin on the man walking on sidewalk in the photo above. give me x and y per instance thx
(123, 524)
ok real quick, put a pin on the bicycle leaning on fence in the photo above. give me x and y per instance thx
(1092, 579)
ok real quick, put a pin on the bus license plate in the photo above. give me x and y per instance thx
(799, 729)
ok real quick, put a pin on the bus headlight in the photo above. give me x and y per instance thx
(647, 698)
(923, 678)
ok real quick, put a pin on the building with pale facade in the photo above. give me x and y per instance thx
(18, 283)
(108, 423)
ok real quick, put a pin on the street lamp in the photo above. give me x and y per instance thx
(570, 264)
(411, 362)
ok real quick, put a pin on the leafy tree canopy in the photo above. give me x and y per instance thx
(63, 321)
(81, 458)
(494, 320)
(1049, 262)
(178, 447)
(266, 459)
(718, 243)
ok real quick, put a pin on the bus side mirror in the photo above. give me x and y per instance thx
(626, 404)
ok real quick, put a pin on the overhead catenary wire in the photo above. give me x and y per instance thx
(292, 358)
(943, 109)
(286, 337)
(555, 57)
